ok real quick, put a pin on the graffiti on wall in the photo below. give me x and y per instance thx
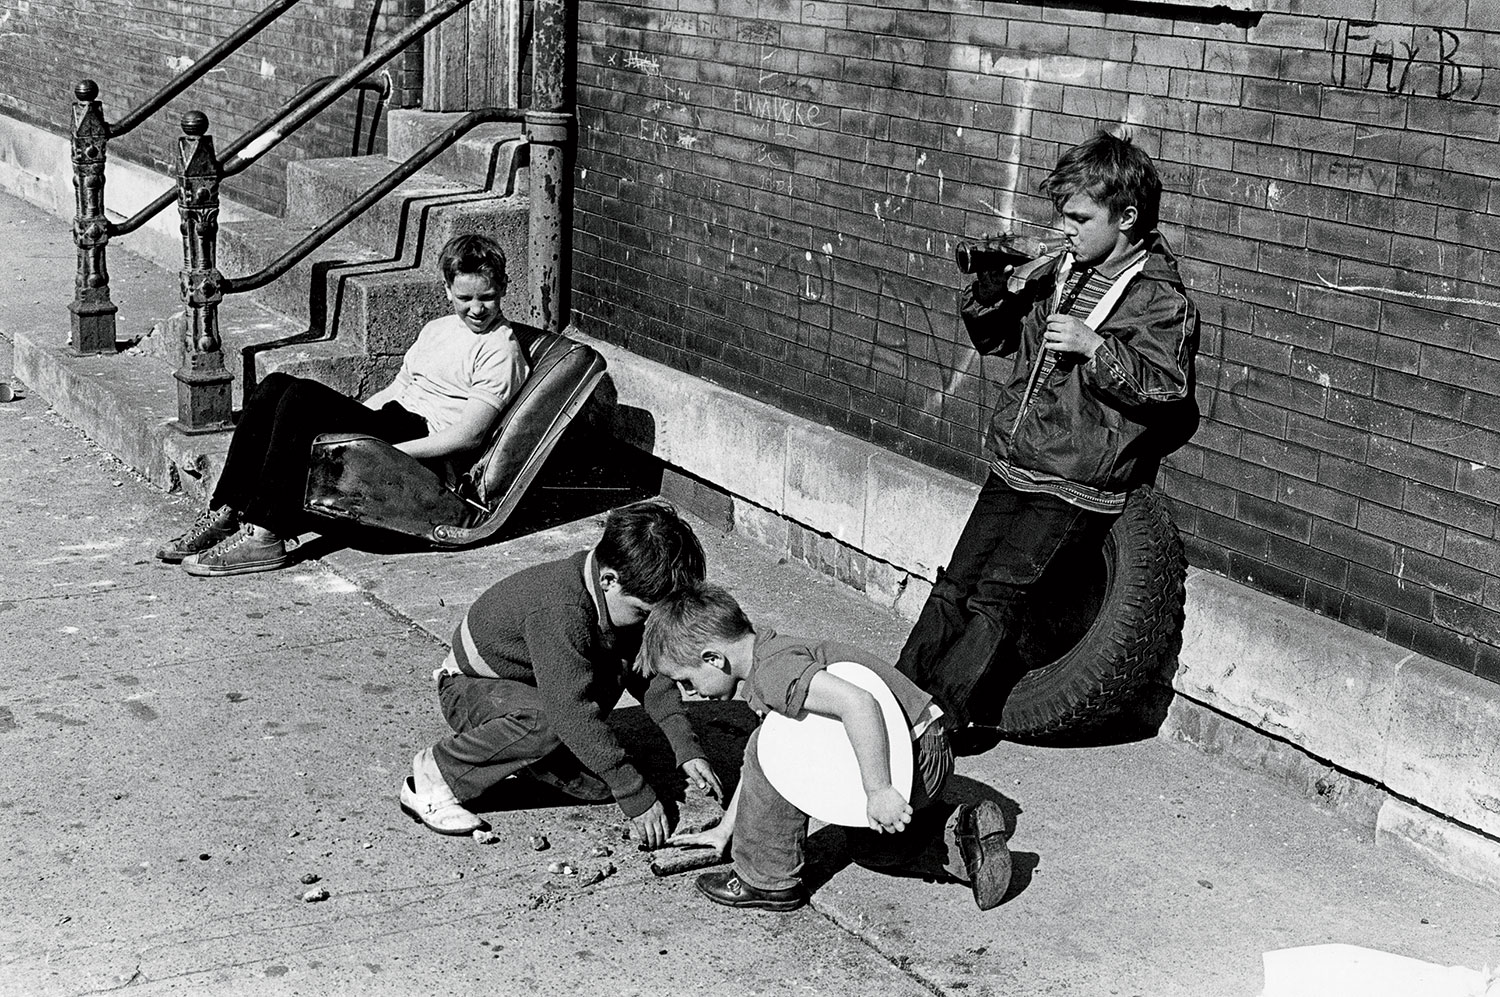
(1402, 59)
(667, 117)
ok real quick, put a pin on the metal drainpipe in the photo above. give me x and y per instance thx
(549, 126)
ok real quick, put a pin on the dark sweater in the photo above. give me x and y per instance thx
(543, 626)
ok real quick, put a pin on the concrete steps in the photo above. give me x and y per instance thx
(473, 159)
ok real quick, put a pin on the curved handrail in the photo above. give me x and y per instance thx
(201, 67)
(388, 183)
(288, 122)
(169, 196)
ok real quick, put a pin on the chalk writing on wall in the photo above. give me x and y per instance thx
(783, 114)
(668, 117)
(1404, 59)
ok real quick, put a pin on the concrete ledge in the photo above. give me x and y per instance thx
(1336, 712)
(1439, 842)
(889, 508)
(125, 404)
(1327, 688)
(1441, 743)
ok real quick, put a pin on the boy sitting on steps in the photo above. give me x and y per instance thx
(701, 638)
(538, 663)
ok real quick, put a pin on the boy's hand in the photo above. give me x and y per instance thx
(650, 828)
(887, 810)
(716, 837)
(701, 775)
(990, 285)
(1070, 335)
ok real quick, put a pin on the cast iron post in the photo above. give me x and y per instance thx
(549, 127)
(93, 314)
(203, 384)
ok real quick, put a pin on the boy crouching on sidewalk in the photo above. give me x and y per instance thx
(538, 663)
(701, 638)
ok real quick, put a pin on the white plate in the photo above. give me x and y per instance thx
(811, 762)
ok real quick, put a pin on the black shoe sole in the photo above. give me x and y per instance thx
(990, 871)
(993, 881)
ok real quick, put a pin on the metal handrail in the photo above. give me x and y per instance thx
(388, 183)
(290, 120)
(371, 23)
(93, 313)
(201, 67)
(169, 196)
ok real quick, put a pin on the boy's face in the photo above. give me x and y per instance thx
(709, 677)
(625, 610)
(1093, 236)
(476, 300)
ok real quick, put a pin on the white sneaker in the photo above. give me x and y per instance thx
(442, 814)
(434, 804)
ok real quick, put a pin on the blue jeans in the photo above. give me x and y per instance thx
(499, 730)
(770, 835)
(977, 603)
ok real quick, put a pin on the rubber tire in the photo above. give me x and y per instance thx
(1103, 637)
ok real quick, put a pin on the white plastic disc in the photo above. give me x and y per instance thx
(811, 762)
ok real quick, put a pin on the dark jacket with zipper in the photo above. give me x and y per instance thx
(1104, 422)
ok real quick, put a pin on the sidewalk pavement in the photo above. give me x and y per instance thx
(184, 750)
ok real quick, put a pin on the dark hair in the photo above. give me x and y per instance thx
(687, 621)
(651, 548)
(470, 253)
(1113, 171)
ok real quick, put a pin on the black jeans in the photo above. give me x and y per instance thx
(976, 604)
(265, 472)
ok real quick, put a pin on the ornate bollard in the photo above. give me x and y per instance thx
(203, 385)
(93, 314)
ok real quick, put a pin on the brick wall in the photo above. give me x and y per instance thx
(769, 192)
(133, 49)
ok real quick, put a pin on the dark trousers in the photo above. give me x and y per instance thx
(971, 618)
(265, 473)
(500, 730)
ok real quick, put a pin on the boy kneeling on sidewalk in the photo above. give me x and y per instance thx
(701, 638)
(538, 663)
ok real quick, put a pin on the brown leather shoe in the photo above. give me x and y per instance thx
(981, 838)
(727, 888)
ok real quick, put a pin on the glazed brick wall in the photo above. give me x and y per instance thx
(132, 50)
(769, 192)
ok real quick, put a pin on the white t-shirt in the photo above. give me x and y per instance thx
(448, 365)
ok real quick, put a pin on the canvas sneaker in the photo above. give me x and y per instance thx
(245, 552)
(212, 526)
